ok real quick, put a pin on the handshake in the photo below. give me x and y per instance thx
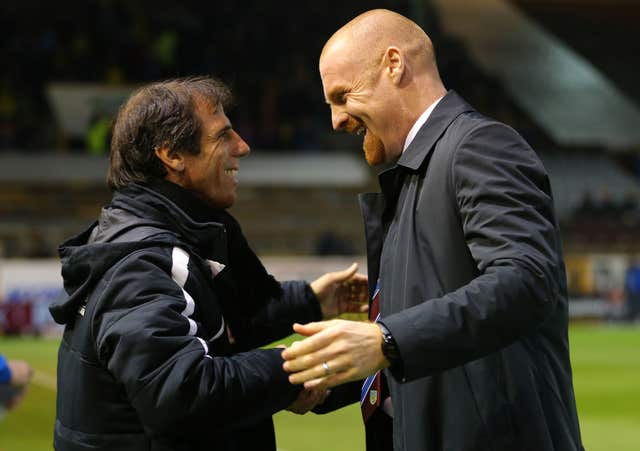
(335, 351)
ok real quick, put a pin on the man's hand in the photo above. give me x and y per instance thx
(341, 291)
(21, 373)
(307, 400)
(336, 352)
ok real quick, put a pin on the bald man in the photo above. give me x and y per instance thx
(471, 333)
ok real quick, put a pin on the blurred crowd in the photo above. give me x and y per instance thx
(267, 51)
(605, 208)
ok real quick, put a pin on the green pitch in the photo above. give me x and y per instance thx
(606, 367)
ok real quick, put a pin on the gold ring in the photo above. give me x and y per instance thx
(325, 365)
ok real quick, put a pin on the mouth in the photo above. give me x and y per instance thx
(233, 172)
(355, 127)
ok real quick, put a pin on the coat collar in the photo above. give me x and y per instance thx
(450, 107)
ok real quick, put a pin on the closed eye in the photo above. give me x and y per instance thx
(222, 134)
(338, 97)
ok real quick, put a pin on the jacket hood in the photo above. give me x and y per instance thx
(137, 218)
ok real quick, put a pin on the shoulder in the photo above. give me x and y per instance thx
(472, 125)
(144, 274)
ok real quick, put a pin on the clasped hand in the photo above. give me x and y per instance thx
(341, 292)
(335, 352)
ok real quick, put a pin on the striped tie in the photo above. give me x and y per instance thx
(370, 395)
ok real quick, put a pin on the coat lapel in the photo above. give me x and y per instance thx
(378, 208)
(450, 107)
(372, 207)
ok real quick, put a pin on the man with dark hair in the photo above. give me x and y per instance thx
(166, 300)
(471, 300)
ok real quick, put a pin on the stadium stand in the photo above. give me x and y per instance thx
(71, 67)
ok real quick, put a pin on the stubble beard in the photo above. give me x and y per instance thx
(374, 151)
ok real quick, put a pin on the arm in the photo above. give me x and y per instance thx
(298, 302)
(169, 376)
(340, 396)
(503, 196)
(261, 310)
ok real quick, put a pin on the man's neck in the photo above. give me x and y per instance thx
(419, 122)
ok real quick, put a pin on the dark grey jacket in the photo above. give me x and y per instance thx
(466, 246)
(146, 362)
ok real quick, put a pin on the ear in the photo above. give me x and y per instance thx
(172, 160)
(394, 65)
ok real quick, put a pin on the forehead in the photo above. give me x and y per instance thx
(337, 71)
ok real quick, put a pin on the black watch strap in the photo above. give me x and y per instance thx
(389, 346)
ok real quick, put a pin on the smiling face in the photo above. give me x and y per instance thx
(212, 174)
(361, 102)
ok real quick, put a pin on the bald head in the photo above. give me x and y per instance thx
(365, 39)
(379, 75)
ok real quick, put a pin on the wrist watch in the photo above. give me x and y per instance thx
(389, 346)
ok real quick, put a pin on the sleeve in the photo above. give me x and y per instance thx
(5, 371)
(340, 396)
(504, 201)
(169, 377)
(296, 302)
(258, 308)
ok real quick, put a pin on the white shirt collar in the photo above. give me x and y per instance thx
(418, 124)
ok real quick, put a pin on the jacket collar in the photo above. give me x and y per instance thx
(165, 206)
(450, 107)
(185, 200)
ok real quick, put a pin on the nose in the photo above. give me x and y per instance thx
(338, 118)
(241, 148)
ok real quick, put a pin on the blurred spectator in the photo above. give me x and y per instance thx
(632, 289)
(270, 57)
(586, 211)
(606, 208)
(329, 243)
(97, 139)
(630, 209)
(14, 378)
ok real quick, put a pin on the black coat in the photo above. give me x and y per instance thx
(465, 244)
(146, 362)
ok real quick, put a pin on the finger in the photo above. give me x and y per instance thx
(310, 328)
(317, 365)
(311, 344)
(327, 382)
(349, 272)
(346, 274)
(311, 360)
(314, 372)
(315, 384)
